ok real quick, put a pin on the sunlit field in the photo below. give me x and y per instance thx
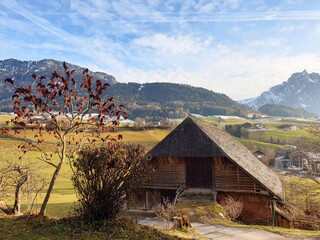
(63, 197)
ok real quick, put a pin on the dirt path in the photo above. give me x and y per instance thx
(220, 232)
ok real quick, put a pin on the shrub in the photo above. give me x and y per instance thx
(166, 211)
(103, 176)
(233, 208)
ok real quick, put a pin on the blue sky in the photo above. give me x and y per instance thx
(236, 47)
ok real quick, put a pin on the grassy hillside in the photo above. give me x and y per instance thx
(168, 100)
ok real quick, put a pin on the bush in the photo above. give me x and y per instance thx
(233, 208)
(103, 176)
(166, 211)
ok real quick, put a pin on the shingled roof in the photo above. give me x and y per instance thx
(193, 138)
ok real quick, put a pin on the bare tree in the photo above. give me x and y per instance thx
(12, 179)
(74, 113)
(168, 124)
(304, 194)
(307, 153)
(139, 124)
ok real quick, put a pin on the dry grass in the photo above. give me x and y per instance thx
(47, 228)
(233, 208)
(208, 212)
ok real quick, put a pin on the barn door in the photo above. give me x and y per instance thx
(199, 172)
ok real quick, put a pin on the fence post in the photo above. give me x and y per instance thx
(267, 212)
(274, 212)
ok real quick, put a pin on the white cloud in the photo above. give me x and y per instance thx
(233, 4)
(133, 9)
(178, 44)
(209, 7)
(318, 28)
(286, 28)
(271, 42)
(96, 9)
(235, 29)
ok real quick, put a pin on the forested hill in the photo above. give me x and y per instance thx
(285, 111)
(174, 100)
(151, 100)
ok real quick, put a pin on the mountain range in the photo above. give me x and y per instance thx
(296, 97)
(152, 101)
(301, 90)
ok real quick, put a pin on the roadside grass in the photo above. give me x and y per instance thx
(36, 228)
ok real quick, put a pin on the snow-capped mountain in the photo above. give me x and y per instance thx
(301, 90)
(21, 72)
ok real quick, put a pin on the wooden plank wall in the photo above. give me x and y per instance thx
(228, 177)
(169, 173)
(144, 199)
(137, 199)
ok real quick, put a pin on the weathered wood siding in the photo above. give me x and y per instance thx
(144, 199)
(170, 173)
(228, 177)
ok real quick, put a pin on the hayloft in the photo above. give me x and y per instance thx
(202, 158)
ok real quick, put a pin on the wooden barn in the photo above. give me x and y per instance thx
(202, 158)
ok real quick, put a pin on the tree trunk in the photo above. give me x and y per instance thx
(5, 208)
(54, 177)
(46, 199)
(17, 195)
(17, 199)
